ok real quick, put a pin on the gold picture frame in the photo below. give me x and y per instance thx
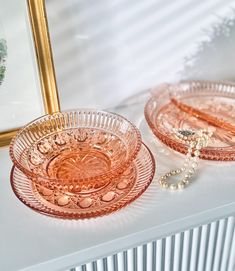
(40, 33)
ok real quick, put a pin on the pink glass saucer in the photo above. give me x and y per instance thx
(122, 191)
(215, 99)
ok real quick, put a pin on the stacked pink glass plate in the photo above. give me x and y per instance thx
(195, 105)
(79, 164)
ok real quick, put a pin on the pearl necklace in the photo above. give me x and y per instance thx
(196, 140)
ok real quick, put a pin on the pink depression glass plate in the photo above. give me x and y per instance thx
(214, 99)
(122, 191)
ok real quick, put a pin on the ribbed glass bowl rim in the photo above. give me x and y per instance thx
(111, 173)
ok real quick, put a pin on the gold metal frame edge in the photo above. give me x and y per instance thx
(43, 51)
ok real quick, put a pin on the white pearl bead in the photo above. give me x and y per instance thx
(165, 185)
(191, 171)
(181, 185)
(173, 187)
(190, 175)
(185, 181)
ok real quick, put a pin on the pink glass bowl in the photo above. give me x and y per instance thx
(216, 99)
(124, 189)
(77, 150)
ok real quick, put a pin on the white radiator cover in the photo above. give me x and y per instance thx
(209, 247)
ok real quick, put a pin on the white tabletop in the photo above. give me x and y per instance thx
(31, 241)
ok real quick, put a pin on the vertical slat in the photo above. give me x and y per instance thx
(110, 263)
(130, 262)
(211, 246)
(159, 255)
(186, 247)
(227, 243)
(149, 258)
(115, 263)
(140, 258)
(231, 263)
(79, 268)
(219, 245)
(100, 266)
(105, 264)
(89, 267)
(125, 261)
(154, 255)
(144, 257)
(203, 247)
(194, 250)
(121, 262)
(135, 258)
(168, 254)
(94, 265)
(177, 252)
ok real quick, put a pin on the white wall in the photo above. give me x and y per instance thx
(106, 51)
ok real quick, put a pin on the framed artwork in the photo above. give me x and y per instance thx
(27, 79)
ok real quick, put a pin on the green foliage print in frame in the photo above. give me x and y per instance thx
(3, 55)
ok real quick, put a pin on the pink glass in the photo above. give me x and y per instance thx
(75, 151)
(121, 191)
(215, 100)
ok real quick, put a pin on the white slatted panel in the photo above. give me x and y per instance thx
(209, 247)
